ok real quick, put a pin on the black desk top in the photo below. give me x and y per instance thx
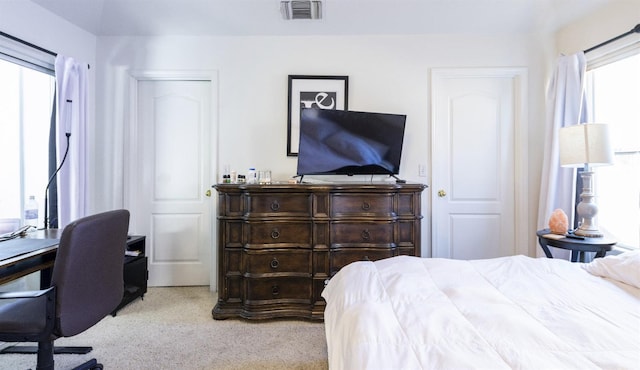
(18, 246)
(22, 256)
(33, 241)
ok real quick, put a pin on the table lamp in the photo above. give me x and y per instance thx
(586, 145)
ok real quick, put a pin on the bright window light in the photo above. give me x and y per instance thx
(26, 98)
(615, 93)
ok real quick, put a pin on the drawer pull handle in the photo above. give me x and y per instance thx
(366, 206)
(366, 258)
(275, 206)
(365, 234)
(274, 263)
(275, 290)
(275, 234)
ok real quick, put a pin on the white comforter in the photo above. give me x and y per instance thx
(512, 312)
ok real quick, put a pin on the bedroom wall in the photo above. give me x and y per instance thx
(610, 21)
(33, 24)
(386, 74)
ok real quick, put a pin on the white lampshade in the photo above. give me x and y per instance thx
(585, 144)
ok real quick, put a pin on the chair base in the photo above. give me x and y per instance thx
(89, 365)
(56, 350)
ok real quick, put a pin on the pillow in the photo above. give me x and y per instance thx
(624, 267)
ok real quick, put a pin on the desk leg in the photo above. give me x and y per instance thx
(545, 248)
(45, 277)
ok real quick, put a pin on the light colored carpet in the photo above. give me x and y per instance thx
(172, 328)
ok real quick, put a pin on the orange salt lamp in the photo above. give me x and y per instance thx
(559, 222)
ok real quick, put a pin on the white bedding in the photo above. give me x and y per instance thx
(513, 312)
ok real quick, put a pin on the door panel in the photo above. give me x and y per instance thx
(475, 147)
(474, 198)
(173, 126)
(176, 148)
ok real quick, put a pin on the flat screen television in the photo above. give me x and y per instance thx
(338, 142)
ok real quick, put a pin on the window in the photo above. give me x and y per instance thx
(614, 91)
(26, 100)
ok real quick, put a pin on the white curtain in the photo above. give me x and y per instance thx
(566, 105)
(71, 93)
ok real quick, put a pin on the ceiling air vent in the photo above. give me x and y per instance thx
(301, 9)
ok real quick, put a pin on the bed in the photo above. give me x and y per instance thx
(503, 313)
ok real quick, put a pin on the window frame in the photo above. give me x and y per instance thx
(34, 58)
(615, 52)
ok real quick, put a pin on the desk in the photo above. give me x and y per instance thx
(578, 247)
(25, 263)
(38, 253)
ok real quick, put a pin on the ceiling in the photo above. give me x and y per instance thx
(340, 17)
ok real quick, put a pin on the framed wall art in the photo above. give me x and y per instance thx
(323, 92)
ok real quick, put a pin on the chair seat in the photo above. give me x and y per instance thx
(26, 316)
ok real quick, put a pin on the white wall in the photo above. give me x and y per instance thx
(386, 74)
(31, 23)
(608, 22)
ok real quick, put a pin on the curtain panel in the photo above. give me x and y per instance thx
(71, 106)
(566, 106)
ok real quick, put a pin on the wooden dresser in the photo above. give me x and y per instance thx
(279, 243)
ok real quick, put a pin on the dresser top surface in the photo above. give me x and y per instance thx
(343, 186)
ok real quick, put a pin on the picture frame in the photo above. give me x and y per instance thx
(325, 92)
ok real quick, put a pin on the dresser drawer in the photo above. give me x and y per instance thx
(362, 232)
(279, 234)
(230, 204)
(339, 258)
(369, 204)
(408, 205)
(290, 262)
(279, 204)
(267, 290)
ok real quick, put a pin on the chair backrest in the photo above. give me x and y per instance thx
(88, 270)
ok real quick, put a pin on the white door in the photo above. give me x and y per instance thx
(476, 156)
(172, 204)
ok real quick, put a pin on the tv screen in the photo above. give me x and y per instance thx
(349, 143)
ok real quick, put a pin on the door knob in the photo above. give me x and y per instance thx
(208, 193)
(442, 193)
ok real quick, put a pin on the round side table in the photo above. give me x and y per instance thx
(577, 245)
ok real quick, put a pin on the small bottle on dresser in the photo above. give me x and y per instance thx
(251, 176)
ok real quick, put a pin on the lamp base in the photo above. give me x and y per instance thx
(587, 208)
(588, 233)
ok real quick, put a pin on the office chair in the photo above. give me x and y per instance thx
(86, 285)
